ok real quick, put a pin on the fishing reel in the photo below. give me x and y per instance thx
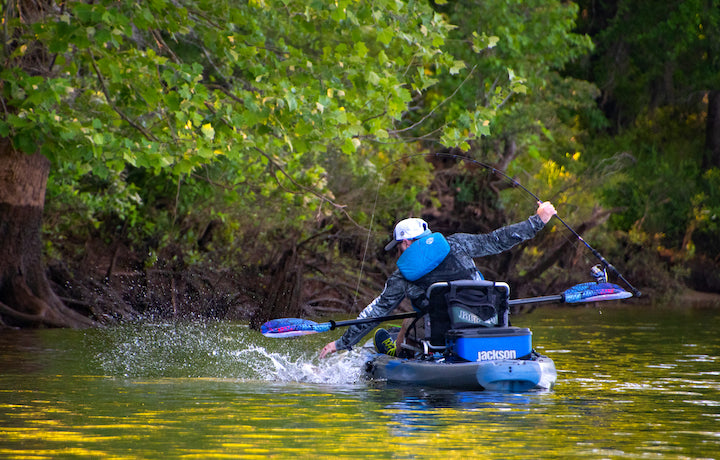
(599, 272)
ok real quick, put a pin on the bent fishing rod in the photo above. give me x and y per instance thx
(515, 183)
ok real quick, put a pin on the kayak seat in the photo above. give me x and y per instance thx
(465, 304)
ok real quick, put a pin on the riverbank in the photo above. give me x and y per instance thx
(115, 283)
(204, 293)
(697, 299)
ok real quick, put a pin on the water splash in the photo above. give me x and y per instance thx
(343, 368)
(217, 350)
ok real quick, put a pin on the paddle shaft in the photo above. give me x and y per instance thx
(375, 319)
(292, 327)
(379, 319)
(543, 299)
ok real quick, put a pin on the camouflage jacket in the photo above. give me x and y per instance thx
(465, 247)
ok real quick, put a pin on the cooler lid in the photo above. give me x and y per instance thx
(488, 332)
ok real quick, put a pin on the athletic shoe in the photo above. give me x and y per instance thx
(384, 343)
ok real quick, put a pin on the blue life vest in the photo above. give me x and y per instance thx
(423, 256)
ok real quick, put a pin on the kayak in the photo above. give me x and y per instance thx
(514, 375)
(471, 344)
(498, 358)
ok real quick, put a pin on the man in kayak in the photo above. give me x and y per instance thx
(426, 258)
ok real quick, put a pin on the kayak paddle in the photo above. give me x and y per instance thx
(585, 292)
(293, 327)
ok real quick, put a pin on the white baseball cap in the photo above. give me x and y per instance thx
(408, 229)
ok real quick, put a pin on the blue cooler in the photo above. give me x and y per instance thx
(490, 343)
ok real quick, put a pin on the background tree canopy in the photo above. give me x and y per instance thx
(247, 159)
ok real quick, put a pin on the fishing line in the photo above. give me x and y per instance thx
(367, 244)
(493, 170)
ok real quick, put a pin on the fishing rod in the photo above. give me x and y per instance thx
(515, 183)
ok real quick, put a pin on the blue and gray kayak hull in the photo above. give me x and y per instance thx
(536, 372)
(477, 358)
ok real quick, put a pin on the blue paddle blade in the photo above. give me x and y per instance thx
(292, 327)
(593, 292)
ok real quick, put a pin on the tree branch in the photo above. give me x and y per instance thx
(437, 106)
(142, 130)
(340, 207)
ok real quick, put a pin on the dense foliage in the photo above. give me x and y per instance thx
(659, 67)
(279, 138)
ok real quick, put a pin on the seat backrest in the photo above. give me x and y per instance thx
(466, 304)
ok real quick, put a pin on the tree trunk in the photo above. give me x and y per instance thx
(26, 298)
(283, 294)
(712, 132)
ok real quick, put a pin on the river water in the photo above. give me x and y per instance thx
(640, 382)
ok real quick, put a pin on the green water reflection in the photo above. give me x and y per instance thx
(631, 384)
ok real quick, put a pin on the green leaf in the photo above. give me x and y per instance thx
(483, 42)
(208, 131)
(457, 67)
(338, 14)
(373, 78)
(386, 35)
(360, 49)
(350, 146)
(98, 139)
